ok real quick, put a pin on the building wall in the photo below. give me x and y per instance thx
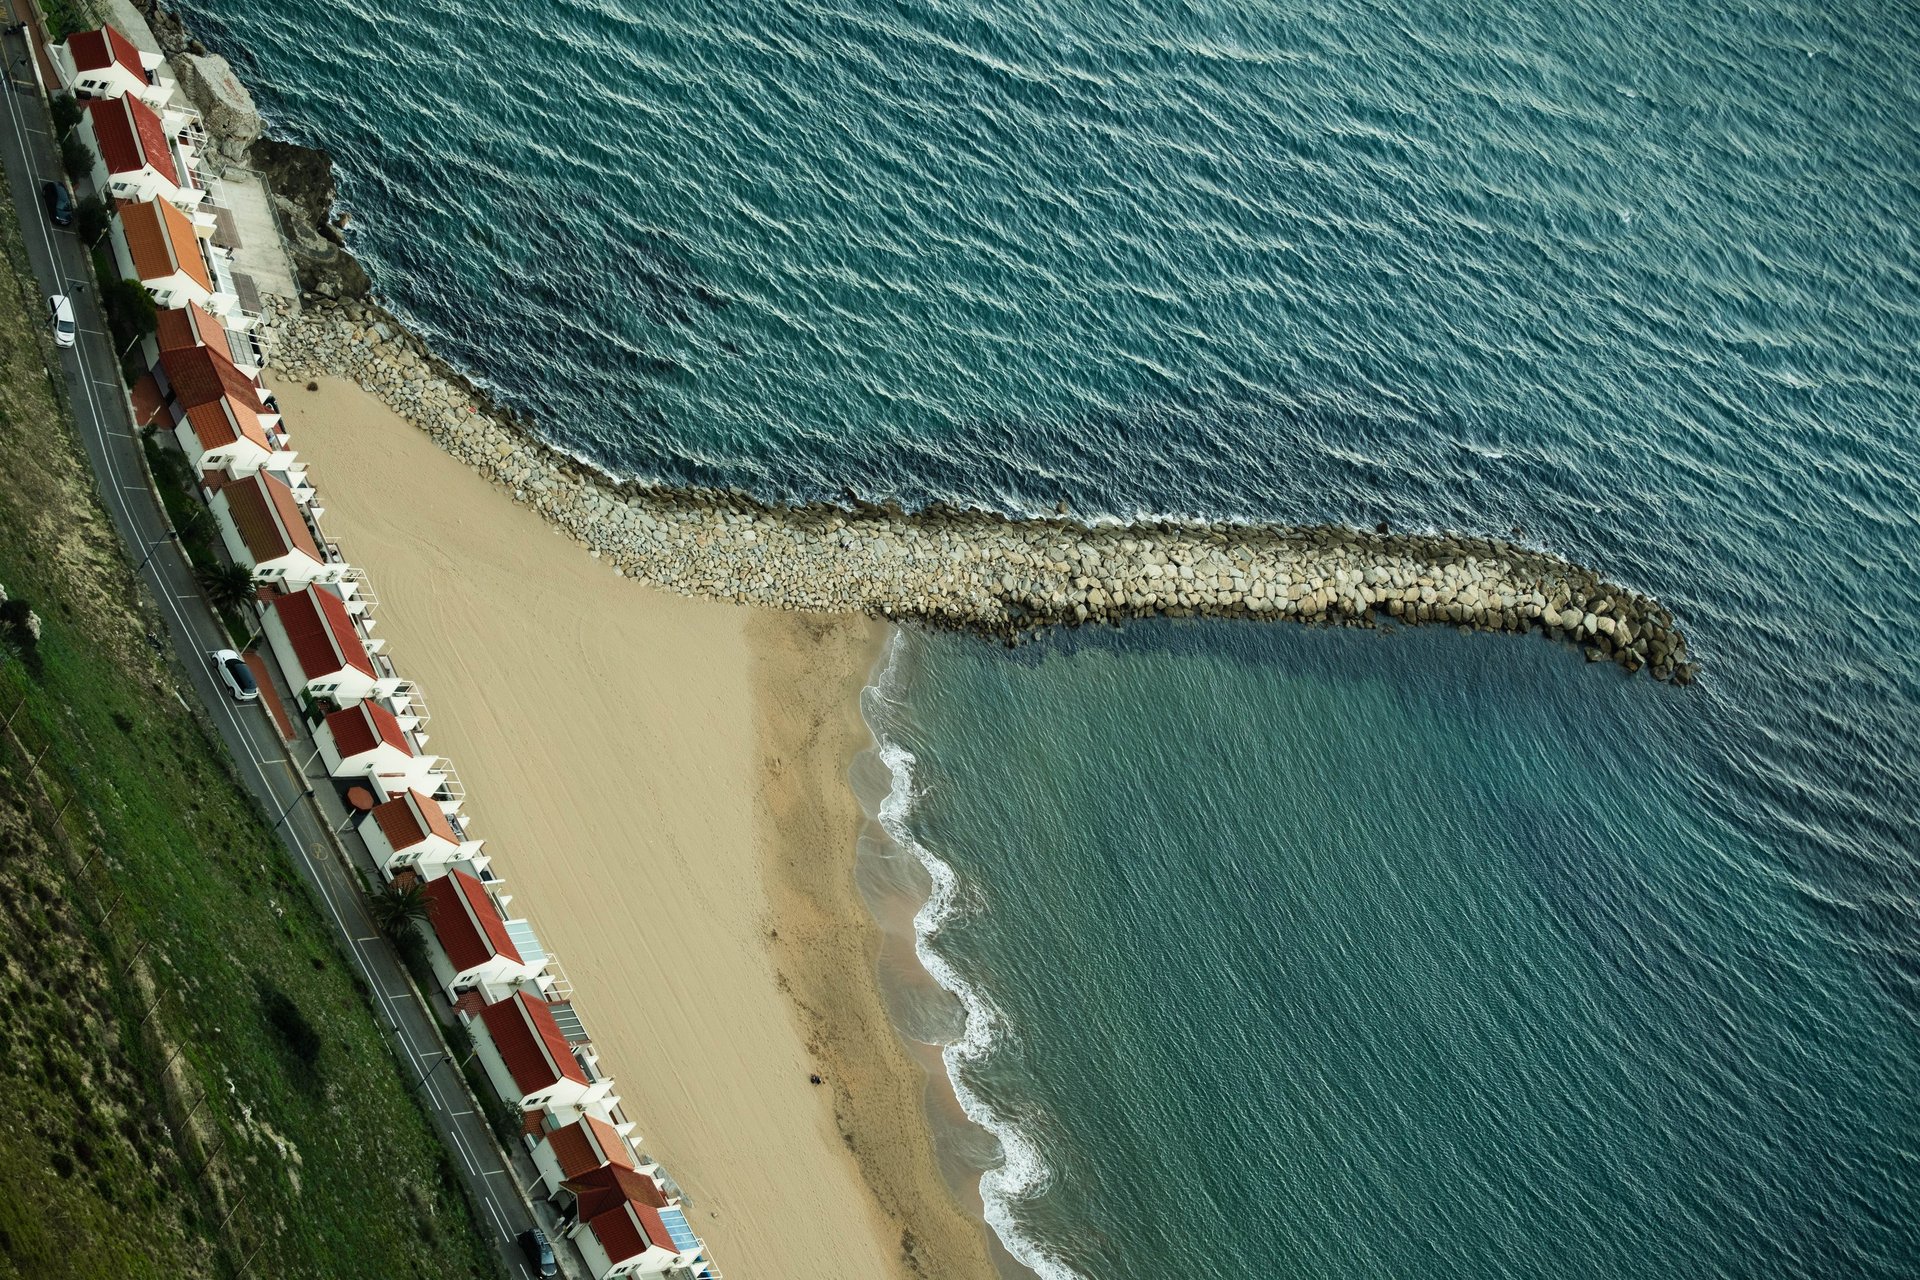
(294, 570)
(242, 457)
(560, 1094)
(345, 687)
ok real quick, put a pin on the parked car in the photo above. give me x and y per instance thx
(60, 316)
(59, 202)
(533, 1243)
(232, 671)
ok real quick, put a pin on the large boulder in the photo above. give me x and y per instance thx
(223, 102)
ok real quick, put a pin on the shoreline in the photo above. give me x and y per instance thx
(831, 943)
(663, 784)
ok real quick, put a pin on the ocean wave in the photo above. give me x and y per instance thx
(1023, 1173)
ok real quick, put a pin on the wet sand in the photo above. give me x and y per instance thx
(662, 783)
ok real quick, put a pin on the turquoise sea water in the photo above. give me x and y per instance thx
(1288, 952)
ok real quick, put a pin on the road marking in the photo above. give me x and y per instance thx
(191, 628)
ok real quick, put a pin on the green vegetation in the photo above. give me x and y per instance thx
(75, 158)
(228, 585)
(400, 910)
(131, 314)
(192, 1081)
(64, 18)
(198, 537)
(66, 113)
(90, 220)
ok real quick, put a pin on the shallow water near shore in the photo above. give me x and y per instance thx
(1362, 955)
(1290, 952)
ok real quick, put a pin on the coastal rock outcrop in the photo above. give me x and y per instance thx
(301, 179)
(978, 570)
(232, 121)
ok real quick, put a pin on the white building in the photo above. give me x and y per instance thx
(156, 244)
(562, 1151)
(136, 156)
(313, 637)
(105, 64)
(366, 740)
(264, 528)
(624, 1225)
(415, 830)
(224, 420)
(528, 1058)
(470, 947)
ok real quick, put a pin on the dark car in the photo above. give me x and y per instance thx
(533, 1243)
(59, 202)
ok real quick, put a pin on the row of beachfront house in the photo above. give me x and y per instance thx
(314, 610)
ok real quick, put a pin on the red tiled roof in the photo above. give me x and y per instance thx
(221, 403)
(266, 515)
(612, 1185)
(467, 922)
(200, 375)
(322, 633)
(364, 726)
(182, 328)
(622, 1209)
(409, 818)
(131, 137)
(161, 242)
(98, 50)
(586, 1145)
(622, 1234)
(220, 423)
(530, 1042)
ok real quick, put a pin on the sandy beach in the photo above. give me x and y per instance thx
(662, 782)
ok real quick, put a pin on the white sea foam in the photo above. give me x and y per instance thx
(1023, 1172)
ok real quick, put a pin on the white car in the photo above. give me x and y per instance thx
(232, 671)
(60, 312)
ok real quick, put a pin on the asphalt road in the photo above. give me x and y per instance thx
(306, 805)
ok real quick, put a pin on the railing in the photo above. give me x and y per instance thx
(561, 986)
(450, 788)
(362, 589)
(222, 274)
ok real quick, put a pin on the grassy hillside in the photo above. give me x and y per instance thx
(191, 1079)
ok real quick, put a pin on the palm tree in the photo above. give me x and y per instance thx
(400, 907)
(228, 585)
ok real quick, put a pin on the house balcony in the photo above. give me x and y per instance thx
(295, 478)
(451, 790)
(192, 188)
(249, 352)
(557, 985)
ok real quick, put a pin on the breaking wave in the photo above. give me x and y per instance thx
(1023, 1172)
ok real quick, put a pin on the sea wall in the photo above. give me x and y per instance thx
(977, 570)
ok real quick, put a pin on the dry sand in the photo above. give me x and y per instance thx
(662, 783)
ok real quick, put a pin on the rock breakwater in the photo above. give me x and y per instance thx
(977, 570)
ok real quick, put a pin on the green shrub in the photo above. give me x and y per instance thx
(75, 158)
(66, 112)
(90, 219)
(130, 311)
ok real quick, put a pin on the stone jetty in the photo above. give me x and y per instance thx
(975, 570)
